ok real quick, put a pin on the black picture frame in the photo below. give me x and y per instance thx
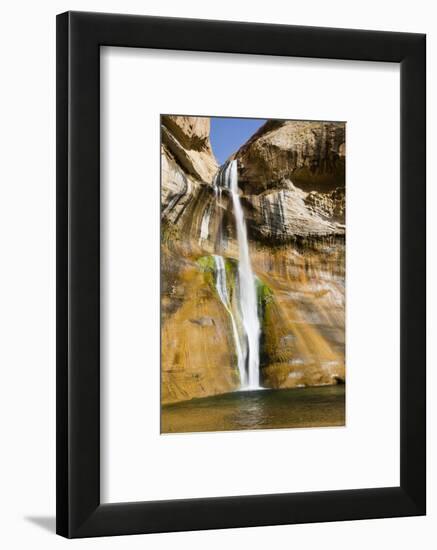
(79, 511)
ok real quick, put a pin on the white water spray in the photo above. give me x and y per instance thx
(204, 226)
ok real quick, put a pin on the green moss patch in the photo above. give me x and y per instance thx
(264, 295)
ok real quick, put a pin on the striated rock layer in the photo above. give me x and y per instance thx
(311, 154)
(291, 176)
(187, 140)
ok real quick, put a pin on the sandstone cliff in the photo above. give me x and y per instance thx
(311, 154)
(187, 141)
(197, 355)
(291, 176)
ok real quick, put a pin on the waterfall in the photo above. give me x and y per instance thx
(222, 289)
(204, 226)
(247, 295)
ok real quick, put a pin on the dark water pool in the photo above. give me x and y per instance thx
(253, 410)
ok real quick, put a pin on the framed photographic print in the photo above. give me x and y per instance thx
(240, 274)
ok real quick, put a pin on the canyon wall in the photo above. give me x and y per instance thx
(312, 154)
(291, 179)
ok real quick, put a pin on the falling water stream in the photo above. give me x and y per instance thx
(248, 352)
(222, 289)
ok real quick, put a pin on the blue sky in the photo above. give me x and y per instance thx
(228, 134)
